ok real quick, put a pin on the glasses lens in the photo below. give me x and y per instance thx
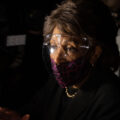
(71, 45)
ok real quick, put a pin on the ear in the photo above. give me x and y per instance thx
(96, 54)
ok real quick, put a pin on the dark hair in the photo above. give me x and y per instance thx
(91, 17)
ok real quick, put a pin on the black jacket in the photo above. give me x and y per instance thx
(98, 99)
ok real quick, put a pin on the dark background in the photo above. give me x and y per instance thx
(22, 71)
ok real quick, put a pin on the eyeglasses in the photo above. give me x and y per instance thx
(71, 45)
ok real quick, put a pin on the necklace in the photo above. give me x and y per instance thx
(71, 95)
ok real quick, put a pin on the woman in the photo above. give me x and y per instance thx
(81, 53)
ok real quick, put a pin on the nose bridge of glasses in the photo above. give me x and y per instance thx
(59, 55)
(57, 38)
(60, 51)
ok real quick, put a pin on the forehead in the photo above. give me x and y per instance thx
(83, 39)
(56, 30)
(57, 37)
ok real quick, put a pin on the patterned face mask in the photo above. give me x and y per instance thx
(70, 73)
(73, 53)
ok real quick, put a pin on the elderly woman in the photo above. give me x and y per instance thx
(81, 54)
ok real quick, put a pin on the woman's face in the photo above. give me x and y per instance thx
(75, 54)
(66, 48)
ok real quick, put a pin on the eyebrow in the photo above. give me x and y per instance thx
(68, 42)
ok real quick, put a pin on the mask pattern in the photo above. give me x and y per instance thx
(70, 73)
